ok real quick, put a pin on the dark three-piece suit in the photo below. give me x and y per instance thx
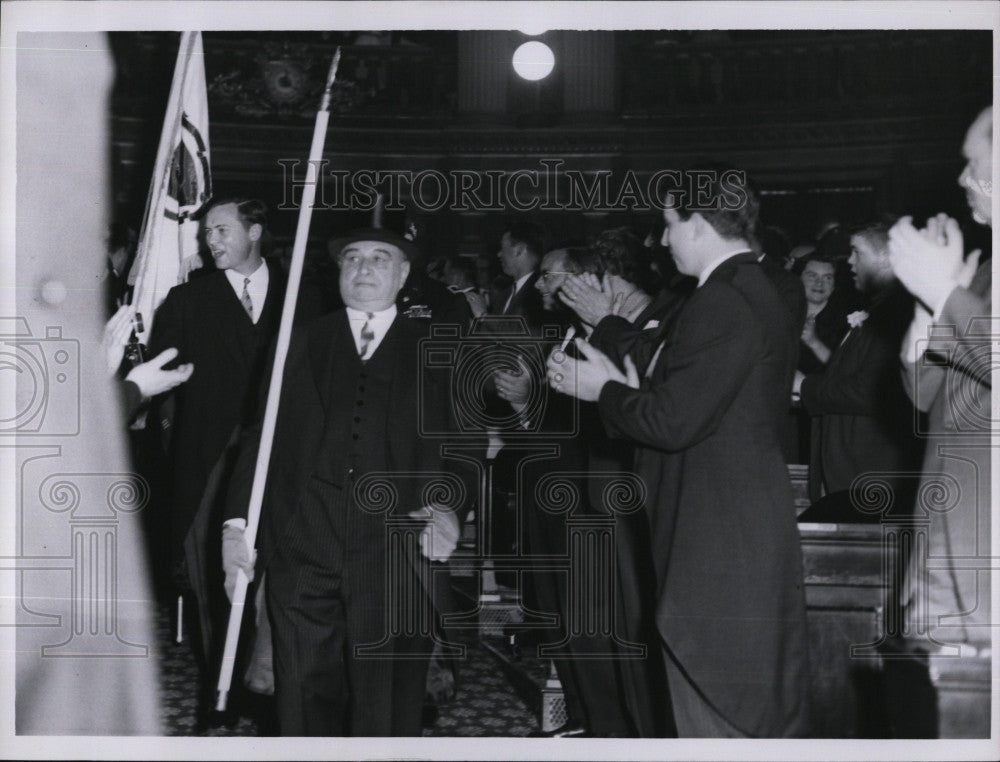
(346, 585)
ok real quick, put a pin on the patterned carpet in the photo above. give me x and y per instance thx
(486, 702)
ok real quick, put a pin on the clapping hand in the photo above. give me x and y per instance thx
(585, 378)
(514, 387)
(590, 299)
(929, 262)
(477, 303)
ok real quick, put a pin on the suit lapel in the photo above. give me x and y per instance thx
(325, 348)
(228, 319)
(271, 310)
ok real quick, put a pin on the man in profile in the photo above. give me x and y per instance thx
(521, 249)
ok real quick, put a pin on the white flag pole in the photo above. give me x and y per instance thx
(274, 390)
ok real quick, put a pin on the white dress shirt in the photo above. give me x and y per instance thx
(378, 323)
(256, 288)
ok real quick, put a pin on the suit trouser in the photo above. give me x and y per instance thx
(587, 665)
(694, 715)
(326, 591)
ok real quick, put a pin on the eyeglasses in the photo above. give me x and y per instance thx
(545, 275)
(376, 261)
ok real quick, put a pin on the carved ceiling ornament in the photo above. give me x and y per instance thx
(281, 80)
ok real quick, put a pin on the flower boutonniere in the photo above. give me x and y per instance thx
(857, 319)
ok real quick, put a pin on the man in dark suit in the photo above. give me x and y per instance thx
(221, 322)
(730, 608)
(862, 418)
(521, 249)
(346, 586)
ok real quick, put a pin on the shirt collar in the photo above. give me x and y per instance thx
(257, 277)
(714, 264)
(519, 283)
(382, 316)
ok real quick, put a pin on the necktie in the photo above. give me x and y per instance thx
(367, 337)
(510, 298)
(245, 298)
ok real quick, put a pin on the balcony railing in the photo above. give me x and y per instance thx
(826, 73)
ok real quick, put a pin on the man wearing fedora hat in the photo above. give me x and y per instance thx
(346, 585)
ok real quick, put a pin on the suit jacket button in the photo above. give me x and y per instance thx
(350, 473)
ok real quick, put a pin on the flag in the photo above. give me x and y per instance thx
(180, 186)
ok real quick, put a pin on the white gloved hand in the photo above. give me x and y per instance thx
(235, 556)
(439, 537)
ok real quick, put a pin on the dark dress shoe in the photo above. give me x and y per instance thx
(569, 730)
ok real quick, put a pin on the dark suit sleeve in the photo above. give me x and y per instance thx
(436, 415)
(241, 481)
(714, 349)
(862, 370)
(969, 313)
(133, 399)
(850, 383)
(167, 332)
(615, 336)
(168, 327)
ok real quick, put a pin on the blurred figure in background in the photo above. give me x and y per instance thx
(947, 372)
(106, 622)
(824, 325)
(459, 275)
(862, 418)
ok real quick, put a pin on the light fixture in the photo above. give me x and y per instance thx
(533, 28)
(534, 60)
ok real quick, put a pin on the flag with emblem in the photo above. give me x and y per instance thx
(180, 186)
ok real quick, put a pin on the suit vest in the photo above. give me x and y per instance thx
(357, 422)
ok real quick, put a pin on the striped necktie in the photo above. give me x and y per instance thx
(245, 298)
(367, 337)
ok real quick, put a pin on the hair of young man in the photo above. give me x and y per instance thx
(733, 207)
(529, 234)
(875, 232)
(252, 211)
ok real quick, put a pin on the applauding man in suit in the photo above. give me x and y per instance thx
(730, 610)
(862, 418)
